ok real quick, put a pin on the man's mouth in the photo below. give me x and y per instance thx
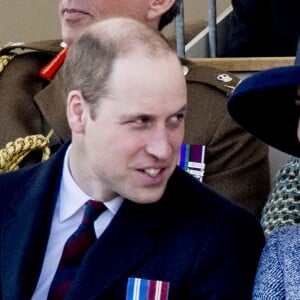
(152, 171)
(72, 13)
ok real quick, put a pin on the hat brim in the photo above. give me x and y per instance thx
(264, 104)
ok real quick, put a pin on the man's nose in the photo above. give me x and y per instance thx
(159, 144)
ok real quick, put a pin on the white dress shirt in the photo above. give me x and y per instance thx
(67, 217)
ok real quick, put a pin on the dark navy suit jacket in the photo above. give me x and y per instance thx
(200, 243)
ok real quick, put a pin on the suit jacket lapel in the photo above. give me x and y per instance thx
(23, 245)
(25, 232)
(51, 101)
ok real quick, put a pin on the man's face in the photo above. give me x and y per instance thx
(132, 146)
(76, 15)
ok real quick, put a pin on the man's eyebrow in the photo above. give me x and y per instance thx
(134, 115)
(126, 116)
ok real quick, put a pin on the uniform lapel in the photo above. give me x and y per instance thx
(51, 102)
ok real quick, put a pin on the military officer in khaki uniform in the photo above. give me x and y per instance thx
(234, 163)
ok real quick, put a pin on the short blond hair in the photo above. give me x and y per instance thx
(91, 57)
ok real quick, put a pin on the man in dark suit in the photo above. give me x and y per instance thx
(161, 228)
(235, 163)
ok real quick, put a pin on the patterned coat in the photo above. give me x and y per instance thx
(278, 274)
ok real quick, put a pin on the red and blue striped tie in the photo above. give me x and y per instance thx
(75, 248)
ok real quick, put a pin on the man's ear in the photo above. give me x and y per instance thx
(76, 111)
(158, 8)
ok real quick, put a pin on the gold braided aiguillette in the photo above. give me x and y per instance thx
(15, 152)
(4, 60)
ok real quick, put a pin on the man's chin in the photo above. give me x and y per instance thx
(71, 32)
(149, 195)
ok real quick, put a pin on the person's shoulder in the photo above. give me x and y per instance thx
(283, 244)
(205, 210)
(201, 199)
(32, 174)
(28, 183)
(45, 46)
(28, 53)
(209, 77)
(286, 235)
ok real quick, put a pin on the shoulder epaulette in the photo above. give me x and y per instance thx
(47, 46)
(222, 80)
(11, 49)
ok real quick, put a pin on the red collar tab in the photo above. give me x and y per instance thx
(49, 70)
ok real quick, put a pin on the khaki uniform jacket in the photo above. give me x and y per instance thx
(237, 163)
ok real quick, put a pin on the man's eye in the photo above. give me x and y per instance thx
(143, 121)
(175, 121)
(140, 122)
(178, 118)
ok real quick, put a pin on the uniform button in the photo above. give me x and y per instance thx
(63, 44)
(185, 70)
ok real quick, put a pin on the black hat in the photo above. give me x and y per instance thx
(264, 104)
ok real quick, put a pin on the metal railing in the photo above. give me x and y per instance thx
(212, 24)
(179, 26)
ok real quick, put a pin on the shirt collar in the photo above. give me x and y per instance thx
(73, 198)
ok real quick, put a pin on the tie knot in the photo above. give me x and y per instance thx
(92, 211)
